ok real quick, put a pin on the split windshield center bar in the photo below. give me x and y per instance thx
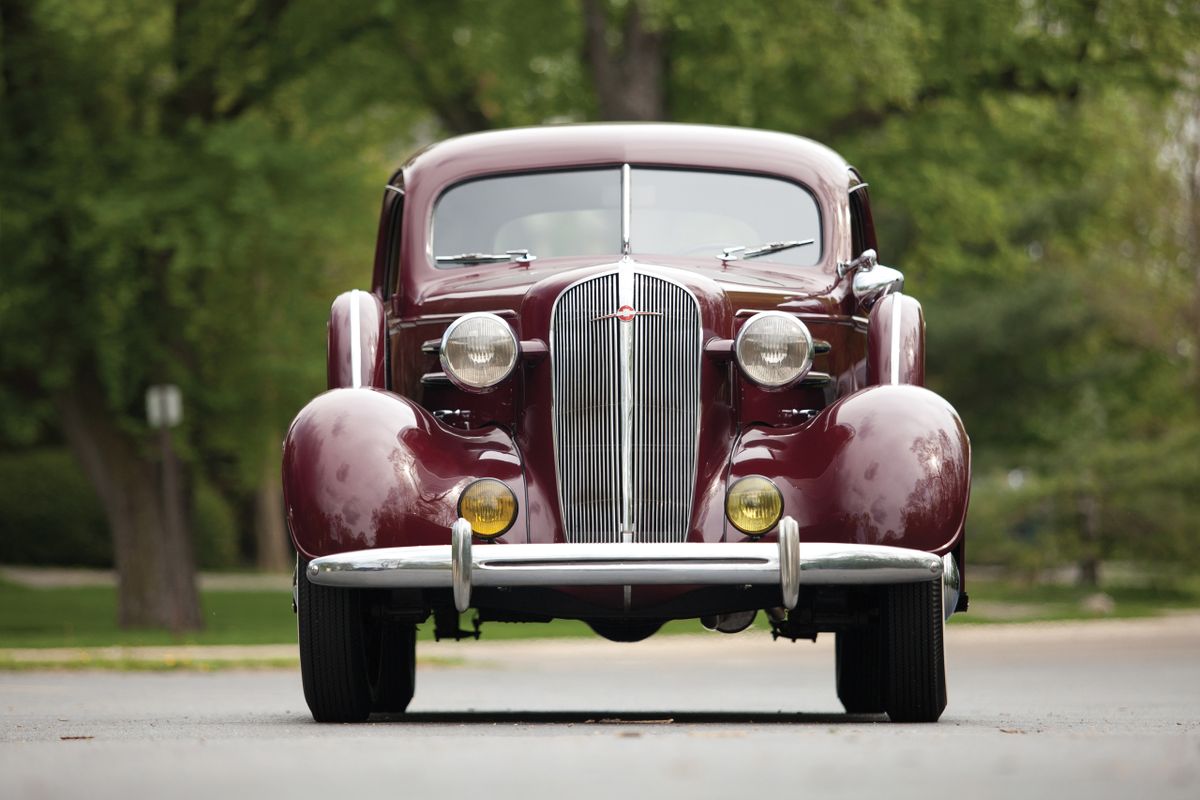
(626, 206)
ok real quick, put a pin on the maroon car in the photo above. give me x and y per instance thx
(627, 374)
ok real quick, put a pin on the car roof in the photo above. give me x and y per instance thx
(596, 144)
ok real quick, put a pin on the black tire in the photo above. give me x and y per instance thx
(350, 663)
(395, 677)
(916, 670)
(860, 670)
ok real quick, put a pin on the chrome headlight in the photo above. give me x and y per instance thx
(478, 351)
(774, 349)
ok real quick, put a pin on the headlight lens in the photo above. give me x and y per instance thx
(478, 351)
(754, 504)
(774, 349)
(489, 506)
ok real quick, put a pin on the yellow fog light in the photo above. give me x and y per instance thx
(754, 505)
(489, 506)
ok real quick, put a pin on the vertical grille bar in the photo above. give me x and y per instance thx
(585, 350)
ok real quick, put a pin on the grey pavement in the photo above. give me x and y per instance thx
(1096, 710)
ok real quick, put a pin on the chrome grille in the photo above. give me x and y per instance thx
(626, 462)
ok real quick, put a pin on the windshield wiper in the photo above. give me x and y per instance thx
(521, 256)
(731, 253)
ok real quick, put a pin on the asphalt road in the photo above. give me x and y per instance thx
(1091, 710)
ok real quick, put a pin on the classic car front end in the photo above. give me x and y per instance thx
(627, 374)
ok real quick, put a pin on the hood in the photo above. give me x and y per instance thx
(738, 285)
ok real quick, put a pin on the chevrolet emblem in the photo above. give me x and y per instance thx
(627, 313)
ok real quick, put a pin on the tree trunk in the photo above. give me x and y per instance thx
(272, 551)
(630, 80)
(143, 502)
(1089, 534)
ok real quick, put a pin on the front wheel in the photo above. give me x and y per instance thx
(916, 666)
(352, 661)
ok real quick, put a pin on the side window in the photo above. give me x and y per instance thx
(387, 243)
(862, 227)
(392, 266)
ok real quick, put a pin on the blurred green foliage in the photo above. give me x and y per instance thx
(48, 512)
(186, 187)
(49, 515)
(214, 527)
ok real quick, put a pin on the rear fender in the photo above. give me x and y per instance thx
(367, 468)
(887, 465)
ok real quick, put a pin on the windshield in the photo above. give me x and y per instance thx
(674, 212)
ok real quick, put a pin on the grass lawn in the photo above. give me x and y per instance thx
(86, 616)
(1013, 601)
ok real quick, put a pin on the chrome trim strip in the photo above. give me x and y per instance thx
(626, 209)
(625, 394)
(896, 339)
(355, 341)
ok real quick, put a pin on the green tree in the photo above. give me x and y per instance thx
(169, 216)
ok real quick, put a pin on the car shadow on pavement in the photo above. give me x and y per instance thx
(626, 718)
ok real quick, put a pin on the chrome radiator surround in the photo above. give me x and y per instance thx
(625, 348)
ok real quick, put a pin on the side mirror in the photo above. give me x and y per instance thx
(865, 262)
(871, 285)
(872, 280)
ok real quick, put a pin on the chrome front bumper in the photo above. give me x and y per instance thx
(788, 564)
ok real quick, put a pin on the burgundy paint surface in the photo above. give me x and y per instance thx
(368, 468)
(887, 465)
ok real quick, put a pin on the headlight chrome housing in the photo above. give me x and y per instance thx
(774, 349)
(478, 351)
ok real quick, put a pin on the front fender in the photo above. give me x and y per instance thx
(366, 468)
(887, 465)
